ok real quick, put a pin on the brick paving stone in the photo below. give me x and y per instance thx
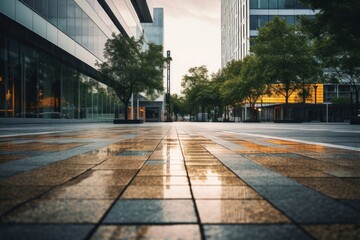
(174, 181)
(151, 211)
(258, 231)
(170, 232)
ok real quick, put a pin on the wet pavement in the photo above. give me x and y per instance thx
(180, 181)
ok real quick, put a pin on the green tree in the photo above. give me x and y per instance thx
(230, 88)
(129, 69)
(337, 39)
(285, 58)
(193, 83)
(230, 93)
(252, 83)
(178, 105)
(216, 105)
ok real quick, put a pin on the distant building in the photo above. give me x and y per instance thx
(48, 51)
(241, 19)
(154, 31)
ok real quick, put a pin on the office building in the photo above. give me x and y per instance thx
(241, 19)
(154, 31)
(48, 51)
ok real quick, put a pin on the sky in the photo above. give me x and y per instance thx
(192, 32)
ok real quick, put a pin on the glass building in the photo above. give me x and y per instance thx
(48, 52)
(240, 20)
(154, 31)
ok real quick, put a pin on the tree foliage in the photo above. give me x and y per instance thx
(285, 58)
(337, 37)
(194, 83)
(130, 69)
(252, 83)
(178, 106)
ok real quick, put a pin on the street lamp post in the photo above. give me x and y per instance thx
(167, 98)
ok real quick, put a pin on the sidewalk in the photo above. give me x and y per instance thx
(168, 181)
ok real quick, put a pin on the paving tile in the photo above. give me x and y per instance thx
(134, 153)
(87, 158)
(7, 205)
(44, 232)
(156, 161)
(133, 166)
(163, 167)
(218, 180)
(61, 146)
(306, 206)
(333, 231)
(157, 192)
(43, 176)
(151, 211)
(244, 231)
(105, 178)
(332, 187)
(160, 181)
(298, 171)
(164, 172)
(206, 163)
(9, 158)
(119, 159)
(122, 161)
(65, 165)
(199, 158)
(210, 171)
(238, 211)
(170, 232)
(270, 181)
(59, 211)
(355, 204)
(85, 192)
(207, 167)
(22, 192)
(224, 192)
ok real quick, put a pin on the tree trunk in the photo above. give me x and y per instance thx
(126, 104)
(357, 101)
(202, 114)
(285, 115)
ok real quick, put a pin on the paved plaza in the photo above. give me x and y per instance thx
(180, 181)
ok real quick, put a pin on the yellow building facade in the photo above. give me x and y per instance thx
(296, 97)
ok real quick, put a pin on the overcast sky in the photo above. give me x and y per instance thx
(192, 30)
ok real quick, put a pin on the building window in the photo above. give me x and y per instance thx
(258, 21)
(277, 4)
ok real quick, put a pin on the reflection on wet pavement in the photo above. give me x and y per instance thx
(172, 182)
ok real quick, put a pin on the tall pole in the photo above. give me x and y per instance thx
(167, 98)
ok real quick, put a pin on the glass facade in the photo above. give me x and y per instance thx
(67, 16)
(259, 21)
(277, 4)
(34, 84)
(241, 19)
(154, 32)
(48, 54)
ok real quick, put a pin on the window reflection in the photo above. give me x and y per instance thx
(43, 87)
(259, 21)
(72, 20)
(277, 4)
